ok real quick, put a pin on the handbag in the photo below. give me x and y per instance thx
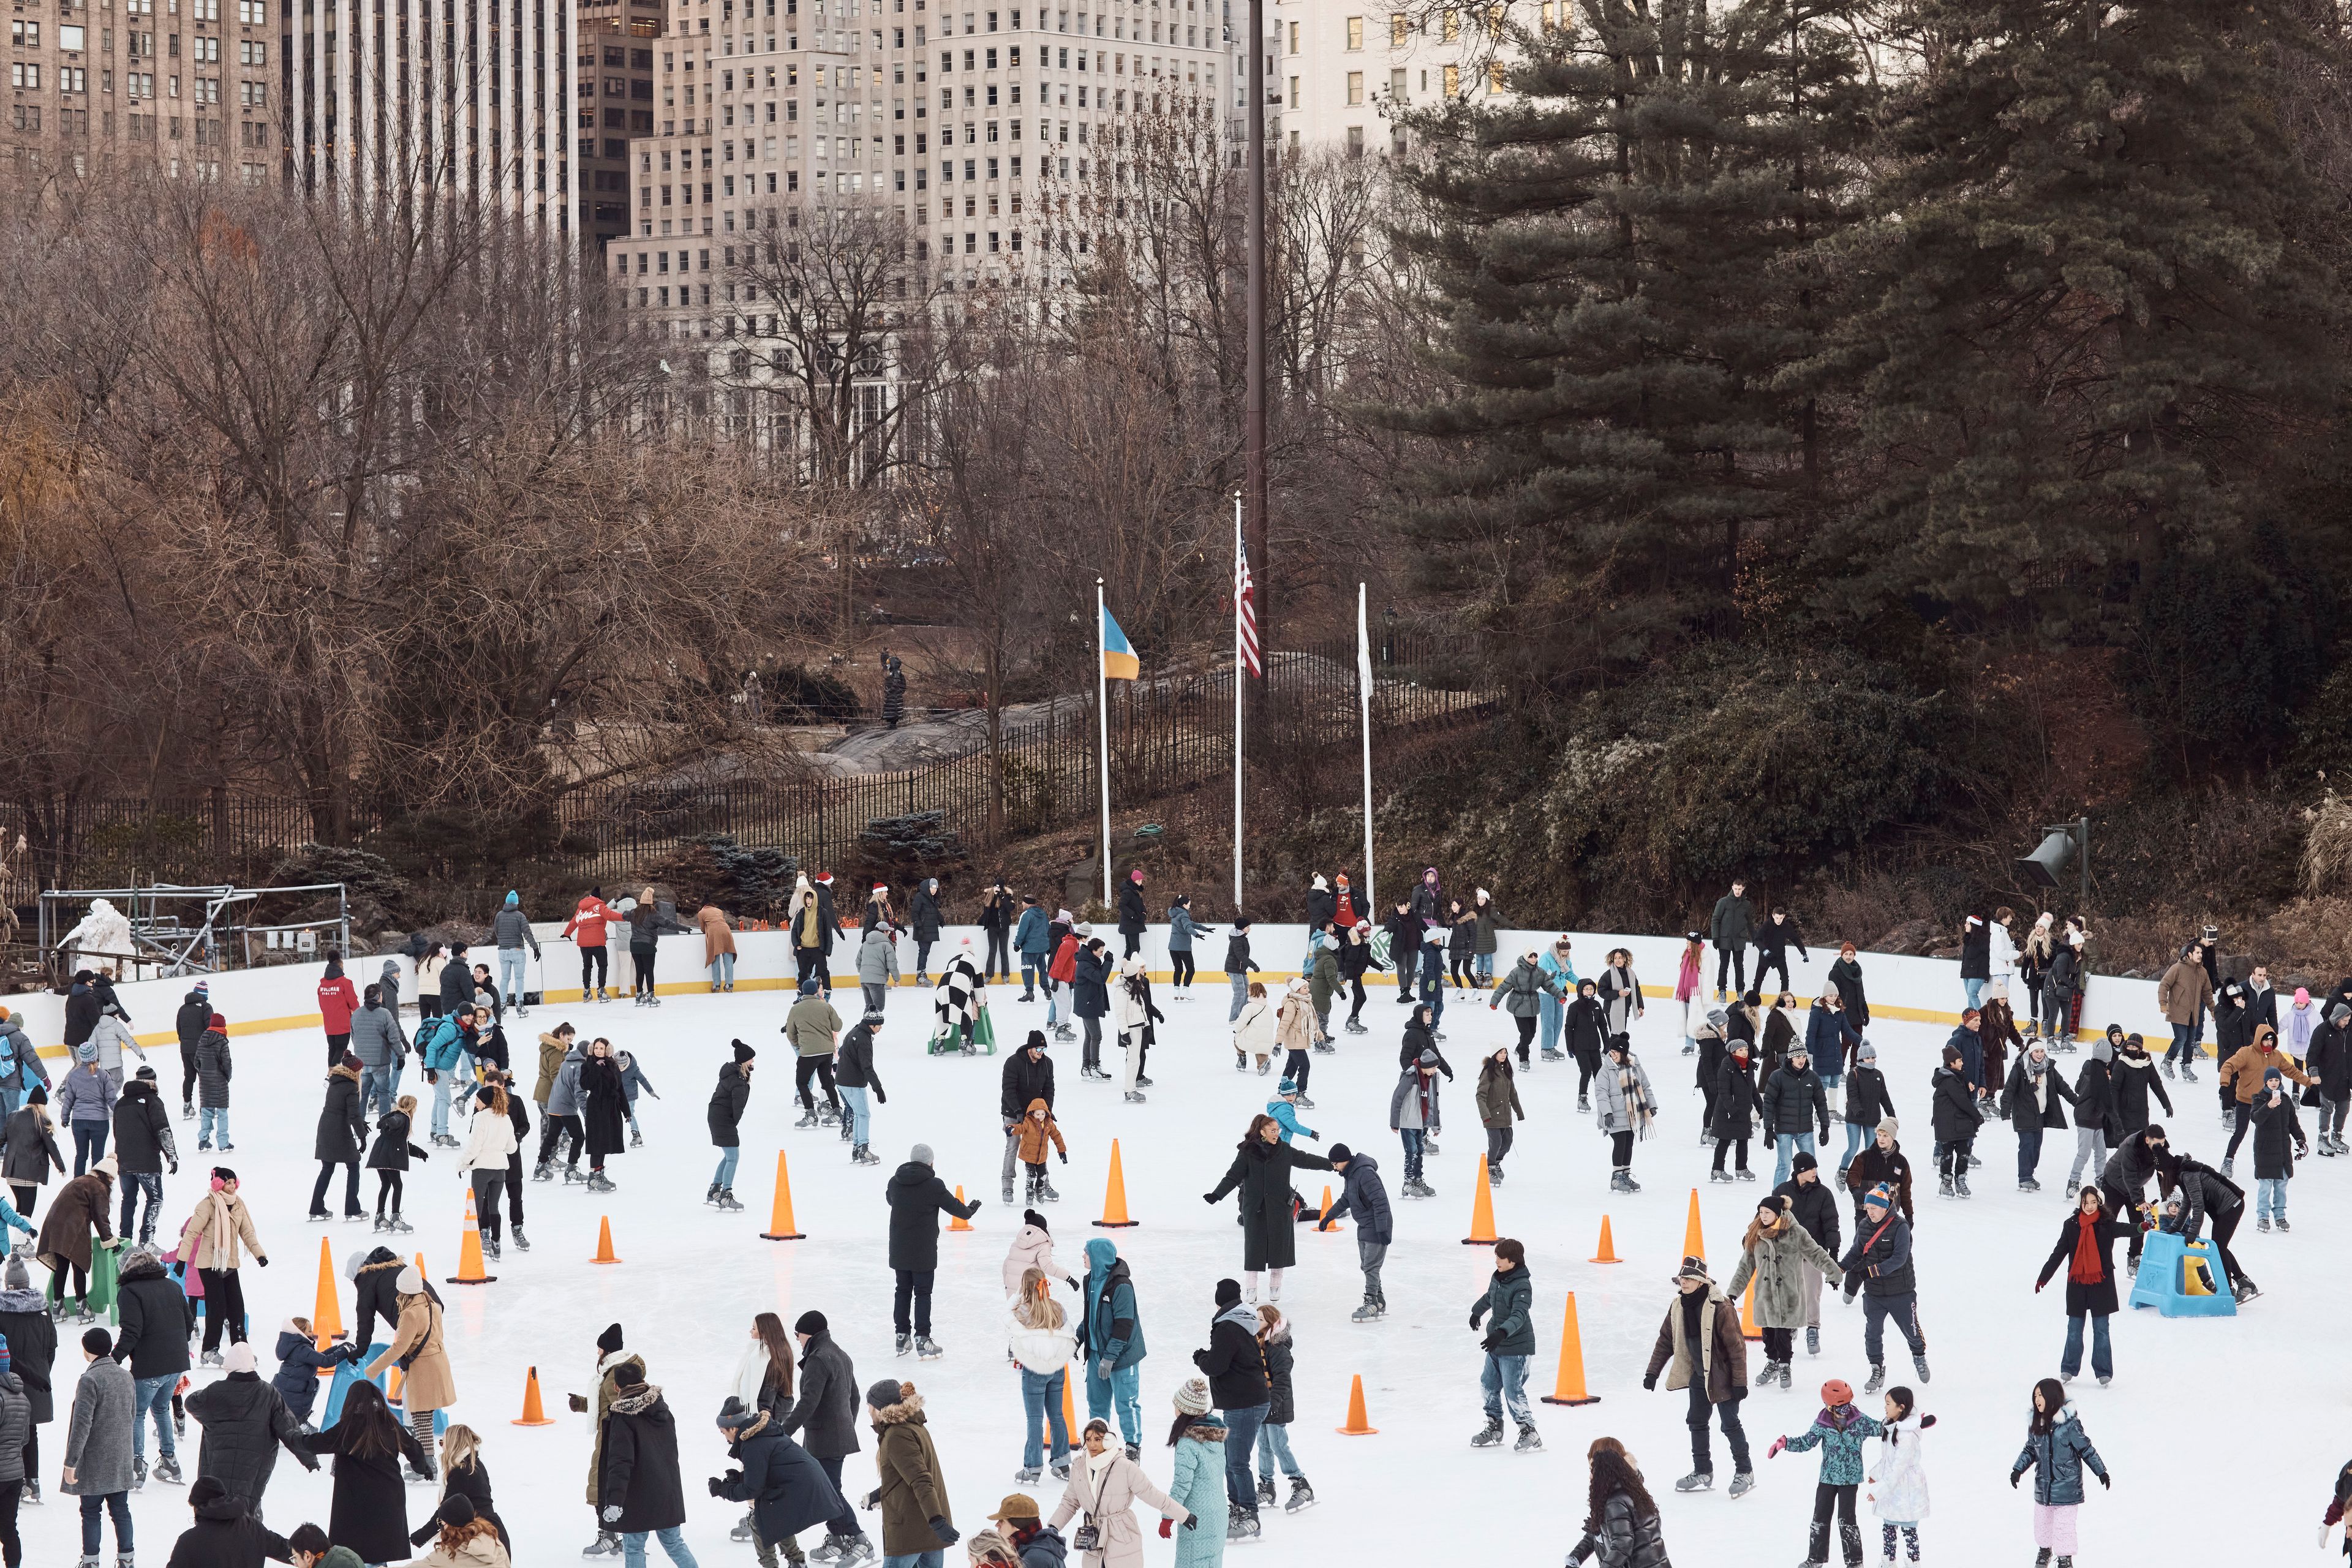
(1089, 1538)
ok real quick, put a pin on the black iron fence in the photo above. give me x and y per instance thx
(1168, 733)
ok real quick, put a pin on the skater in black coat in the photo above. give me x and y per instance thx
(224, 1534)
(603, 1111)
(156, 1317)
(369, 1511)
(1867, 1103)
(389, 1160)
(1581, 1028)
(2134, 1078)
(918, 1197)
(342, 1140)
(639, 1489)
(1736, 1105)
(787, 1489)
(1262, 1169)
(142, 1148)
(1953, 1115)
(1621, 1521)
(2085, 1250)
(245, 1422)
(465, 1478)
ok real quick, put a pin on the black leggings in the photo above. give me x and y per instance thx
(1464, 970)
(487, 1186)
(819, 1068)
(593, 973)
(387, 1186)
(552, 1128)
(642, 958)
(336, 1045)
(999, 958)
(1587, 1064)
(514, 1187)
(1527, 1036)
(1739, 1146)
(1133, 942)
(12, 1550)
(1180, 964)
(1356, 989)
(223, 1306)
(81, 1284)
(1295, 1067)
(1621, 1151)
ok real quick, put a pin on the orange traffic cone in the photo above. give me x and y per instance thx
(1482, 1212)
(1359, 1421)
(1747, 1329)
(1694, 1243)
(959, 1221)
(1069, 1408)
(469, 1251)
(604, 1253)
(1569, 1389)
(533, 1412)
(780, 1218)
(327, 1317)
(1114, 1215)
(1330, 1225)
(1608, 1247)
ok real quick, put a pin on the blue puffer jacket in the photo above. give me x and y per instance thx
(2056, 1458)
(1838, 1434)
(441, 1049)
(1287, 1114)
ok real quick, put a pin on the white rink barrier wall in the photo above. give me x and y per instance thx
(263, 1001)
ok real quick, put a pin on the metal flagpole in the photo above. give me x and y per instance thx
(1102, 720)
(1238, 669)
(1364, 684)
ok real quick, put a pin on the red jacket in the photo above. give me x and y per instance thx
(586, 926)
(1064, 967)
(337, 1002)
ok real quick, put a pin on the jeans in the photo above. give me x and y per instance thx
(2184, 1043)
(375, 1090)
(2057, 1006)
(725, 1175)
(1549, 1015)
(722, 971)
(860, 1106)
(1726, 1414)
(1241, 1440)
(115, 1503)
(1975, 990)
(1033, 970)
(2089, 1149)
(1789, 1143)
(153, 1393)
(443, 1082)
(1241, 996)
(510, 976)
(1041, 1397)
(874, 996)
(2103, 1358)
(2270, 1197)
(1273, 1448)
(673, 1542)
(1121, 1392)
(212, 1126)
(1413, 1138)
(1856, 1135)
(2029, 1147)
(133, 1183)
(1504, 1381)
(916, 1559)
(90, 1144)
(1904, 1310)
(1486, 970)
(914, 1291)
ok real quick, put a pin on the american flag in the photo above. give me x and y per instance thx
(1245, 611)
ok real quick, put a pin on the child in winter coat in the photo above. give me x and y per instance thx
(1898, 1481)
(1274, 1434)
(1627, 1108)
(389, 1160)
(1253, 1028)
(1037, 1129)
(2056, 1449)
(299, 1362)
(1498, 1108)
(1838, 1431)
(2276, 1126)
(1583, 1028)
(1198, 1481)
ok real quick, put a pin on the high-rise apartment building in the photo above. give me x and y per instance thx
(960, 123)
(1339, 63)
(194, 83)
(476, 96)
(616, 103)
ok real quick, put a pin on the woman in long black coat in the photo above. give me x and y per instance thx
(2087, 1239)
(1261, 1169)
(1735, 1105)
(342, 1140)
(604, 1108)
(369, 1511)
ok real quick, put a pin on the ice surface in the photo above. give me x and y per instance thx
(692, 1279)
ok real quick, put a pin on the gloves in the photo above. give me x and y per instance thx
(2108, 1481)
(1065, 1156)
(1474, 1319)
(1071, 1280)
(1926, 1421)
(881, 1097)
(947, 1532)
(1650, 1381)
(175, 1167)
(1774, 1451)
(1207, 1197)
(1102, 1370)
(2012, 1479)
(1191, 1521)
(579, 1406)
(2038, 1284)
(612, 1514)
(1168, 1531)
(872, 1499)
(1489, 1342)
(262, 1261)
(718, 1487)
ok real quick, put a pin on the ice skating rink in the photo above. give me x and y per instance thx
(691, 1278)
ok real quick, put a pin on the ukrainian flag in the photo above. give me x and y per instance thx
(1119, 662)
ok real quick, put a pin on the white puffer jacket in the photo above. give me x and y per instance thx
(1898, 1476)
(1042, 1350)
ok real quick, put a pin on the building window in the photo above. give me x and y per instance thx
(1396, 84)
(1453, 81)
(1294, 37)
(1400, 28)
(1355, 86)
(1355, 141)
(1449, 24)
(1495, 76)
(1355, 32)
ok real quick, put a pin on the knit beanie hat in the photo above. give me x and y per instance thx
(743, 1053)
(456, 1509)
(97, 1342)
(921, 1154)
(239, 1358)
(1192, 1397)
(810, 1322)
(1228, 1291)
(885, 1393)
(610, 1340)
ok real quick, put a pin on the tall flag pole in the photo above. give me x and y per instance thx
(1245, 660)
(1117, 662)
(1364, 684)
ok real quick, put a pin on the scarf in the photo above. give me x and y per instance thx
(1638, 1108)
(2089, 1268)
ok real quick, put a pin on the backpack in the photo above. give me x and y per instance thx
(1380, 946)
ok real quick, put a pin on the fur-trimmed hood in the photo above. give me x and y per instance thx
(647, 1396)
(907, 1410)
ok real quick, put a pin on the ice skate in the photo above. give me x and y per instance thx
(2263, 1225)
(2281, 1226)
(808, 1118)
(1584, 1104)
(542, 1171)
(598, 1181)
(904, 1343)
(1060, 1468)
(210, 1358)
(726, 1201)
(381, 1223)
(1723, 1176)
(490, 1247)
(1264, 1064)
(1047, 1192)
(1697, 1481)
(927, 1348)
(1742, 1483)
(741, 1530)
(1489, 1436)
(1960, 1186)
(606, 1543)
(711, 1195)
(1264, 1491)
(1529, 1441)
(828, 1114)
(1877, 1378)
(1027, 1476)
(572, 1173)
(1554, 1057)
(519, 1239)
(1919, 1364)
(1812, 1342)
(1944, 1187)
(1745, 1174)
(863, 1155)
(401, 1226)
(637, 1138)
(1369, 1312)
(1242, 1526)
(1301, 1495)
(1134, 1096)
(2228, 1165)
(855, 1550)
(138, 1474)
(1429, 1144)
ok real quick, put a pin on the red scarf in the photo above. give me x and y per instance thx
(2090, 1265)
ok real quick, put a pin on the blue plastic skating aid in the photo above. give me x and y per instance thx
(2164, 1282)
